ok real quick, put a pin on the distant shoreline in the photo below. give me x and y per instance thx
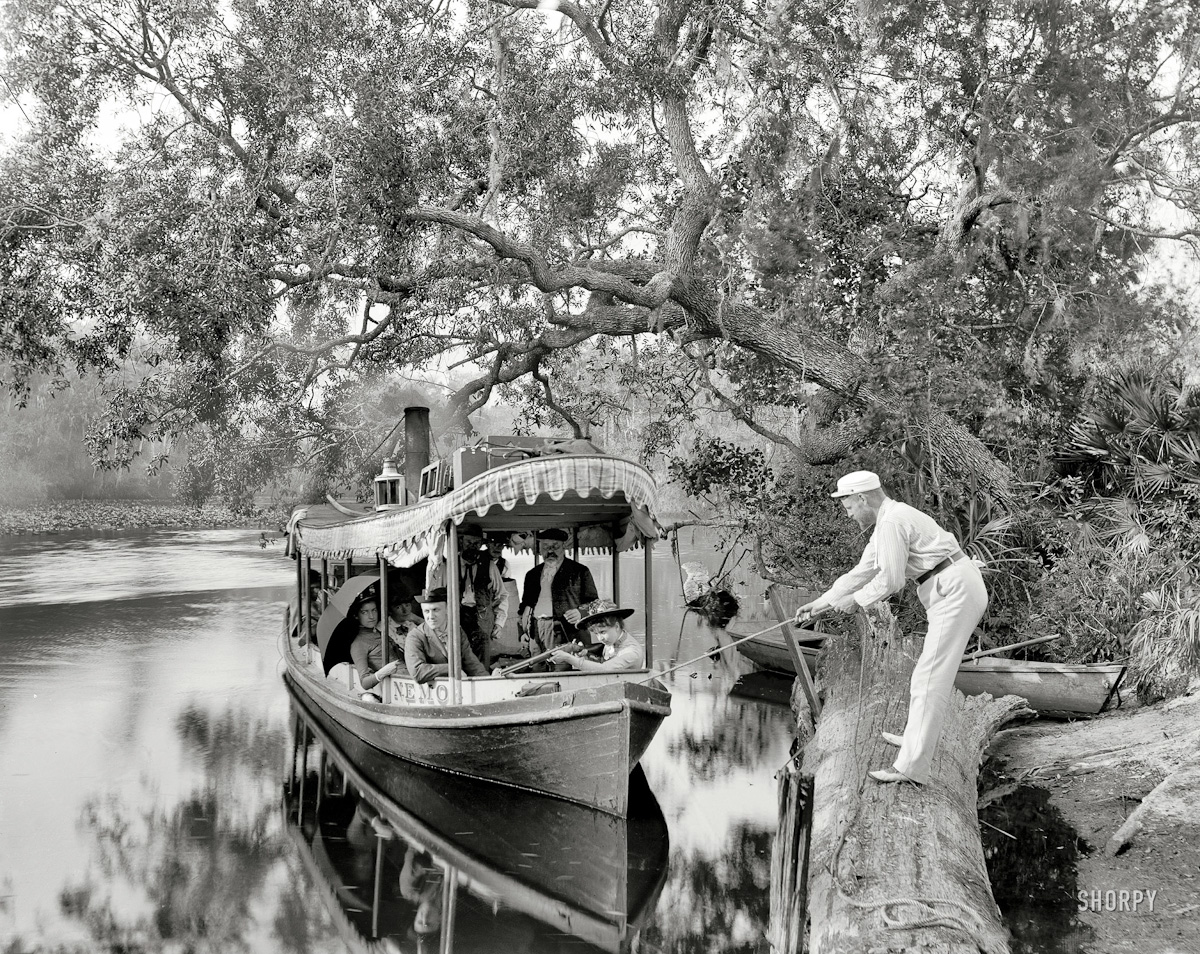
(62, 516)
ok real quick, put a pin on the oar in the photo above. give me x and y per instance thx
(1002, 649)
(719, 649)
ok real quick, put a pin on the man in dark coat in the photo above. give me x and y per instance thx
(554, 590)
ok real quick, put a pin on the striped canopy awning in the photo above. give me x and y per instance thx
(609, 500)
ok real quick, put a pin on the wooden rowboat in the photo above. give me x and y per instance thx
(501, 862)
(575, 735)
(1052, 689)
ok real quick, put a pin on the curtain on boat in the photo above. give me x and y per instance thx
(622, 493)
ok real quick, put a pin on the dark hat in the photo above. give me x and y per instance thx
(553, 534)
(436, 595)
(470, 526)
(405, 613)
(597, 609)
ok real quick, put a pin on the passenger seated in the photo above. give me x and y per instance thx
(425, 647)
(604, 622)
(366, 651)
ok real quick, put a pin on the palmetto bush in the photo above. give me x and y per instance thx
(1141, 440)
(1166, 641)
(1128, 579)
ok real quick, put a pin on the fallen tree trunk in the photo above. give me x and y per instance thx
(896, 867)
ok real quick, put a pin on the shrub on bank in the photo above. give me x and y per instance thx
(102, 515)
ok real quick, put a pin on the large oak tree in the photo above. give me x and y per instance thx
(919, 217)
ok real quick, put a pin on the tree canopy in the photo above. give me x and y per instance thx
(925, 220)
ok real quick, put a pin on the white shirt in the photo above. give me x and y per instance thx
(904, 544)
(625, 653)
(545, 603)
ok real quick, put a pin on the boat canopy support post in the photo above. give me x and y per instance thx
(377, 886)
(454, 615)
(648, 597)
(616, 566)
(449, 904)
(305, 570)
(384, 624)
(303, 736)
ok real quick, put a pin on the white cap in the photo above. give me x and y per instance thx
(856, 483)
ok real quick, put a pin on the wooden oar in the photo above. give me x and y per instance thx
(1003, 649)
(714, 652)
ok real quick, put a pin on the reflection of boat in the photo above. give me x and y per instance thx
(497, 867)
(1057, 689)
(773, 688)
(573, 734)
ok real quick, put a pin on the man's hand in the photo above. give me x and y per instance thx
(573, 616)
(810, 610)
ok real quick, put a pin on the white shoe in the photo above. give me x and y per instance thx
(892, 739)
(890, 775)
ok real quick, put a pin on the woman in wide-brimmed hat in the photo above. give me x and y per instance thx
(604, 621)
(366, 651)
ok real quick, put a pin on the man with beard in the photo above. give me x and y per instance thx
(907, 545)
(553, 593)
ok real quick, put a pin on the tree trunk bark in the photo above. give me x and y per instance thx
(896, 867)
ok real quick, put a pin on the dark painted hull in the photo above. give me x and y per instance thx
(586, 872)
(579, 745)
(1050, 688)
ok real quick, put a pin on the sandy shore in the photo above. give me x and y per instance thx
(1128, 783)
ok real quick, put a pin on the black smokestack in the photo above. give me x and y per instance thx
(416, 448)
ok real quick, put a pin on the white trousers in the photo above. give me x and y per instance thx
(954, 602)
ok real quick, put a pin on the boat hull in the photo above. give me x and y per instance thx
(577, 743)
(584, 873)
(1054, 689)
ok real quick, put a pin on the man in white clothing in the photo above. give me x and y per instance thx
(907, 545)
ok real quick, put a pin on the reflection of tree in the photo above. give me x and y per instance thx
(717, 905)
(737, 737)
(1034, 876)
(189, 876)
(231, 743)
(197, 875)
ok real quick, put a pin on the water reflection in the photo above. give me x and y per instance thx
(144, 728)
(1032, 855)
(403, 854)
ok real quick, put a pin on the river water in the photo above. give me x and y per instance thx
(148, 762)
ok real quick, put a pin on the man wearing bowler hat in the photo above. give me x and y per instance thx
(907, 544)
(426, 649)
(554, 591)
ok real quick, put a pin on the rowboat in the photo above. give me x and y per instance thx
(408, 858)
(575, 735)
(1051, 689)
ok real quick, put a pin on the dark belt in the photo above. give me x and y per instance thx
(936, 569)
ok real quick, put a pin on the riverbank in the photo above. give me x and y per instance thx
(103, 515)
(1128, 784)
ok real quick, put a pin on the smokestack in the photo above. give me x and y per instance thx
(416, 449)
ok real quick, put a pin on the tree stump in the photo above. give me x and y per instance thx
(896, 867)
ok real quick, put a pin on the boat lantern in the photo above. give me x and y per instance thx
(389, 486)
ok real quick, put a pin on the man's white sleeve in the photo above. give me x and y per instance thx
(891, 557)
